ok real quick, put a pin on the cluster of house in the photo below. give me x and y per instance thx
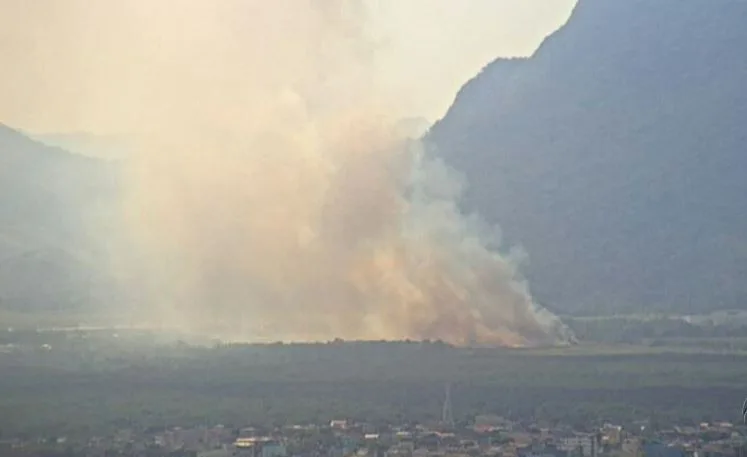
(487, 436)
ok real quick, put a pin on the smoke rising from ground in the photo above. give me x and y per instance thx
(275, 193)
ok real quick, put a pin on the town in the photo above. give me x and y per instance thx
(485, 435)
(88, 394)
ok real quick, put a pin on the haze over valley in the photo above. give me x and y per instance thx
(375, 228)
(250, 202)
(271, 186)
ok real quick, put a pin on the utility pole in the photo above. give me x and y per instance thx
(447, 417)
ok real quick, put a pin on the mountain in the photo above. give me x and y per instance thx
(109, 147)
(616, 156)
(52, 205)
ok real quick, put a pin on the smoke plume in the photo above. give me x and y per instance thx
(275, 193)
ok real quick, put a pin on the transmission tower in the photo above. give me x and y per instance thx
(447, 417)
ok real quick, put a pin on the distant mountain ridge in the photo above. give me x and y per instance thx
(47, 199)
(617, 156)
(108, 147)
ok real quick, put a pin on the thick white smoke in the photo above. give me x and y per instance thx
(274, 193)
(355, 234)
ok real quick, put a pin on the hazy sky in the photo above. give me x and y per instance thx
(74, 65)
(439, 44)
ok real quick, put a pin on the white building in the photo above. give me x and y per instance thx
(584, 444)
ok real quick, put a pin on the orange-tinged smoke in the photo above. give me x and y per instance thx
(351, 231)
(274, 193)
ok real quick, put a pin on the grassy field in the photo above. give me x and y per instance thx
(95, 385)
